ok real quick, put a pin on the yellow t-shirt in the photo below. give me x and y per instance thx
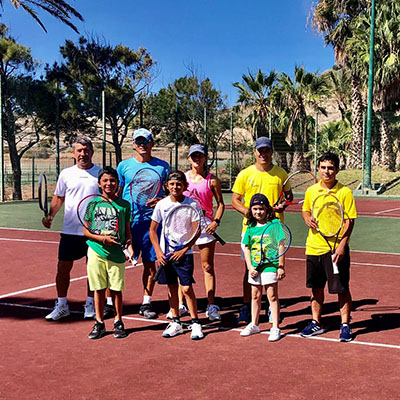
(251, 181)
(316, 244)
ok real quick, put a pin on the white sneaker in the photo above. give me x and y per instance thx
(274, 334)
(89, 313)
(213, 313)
(173, 329)
(60, 311)
(182, 312)
(250, 329)
(197, 332)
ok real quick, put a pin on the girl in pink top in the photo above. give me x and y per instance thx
(203, 187)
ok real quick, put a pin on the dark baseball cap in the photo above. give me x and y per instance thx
(259, 199)
(197, 148)
(263, 141)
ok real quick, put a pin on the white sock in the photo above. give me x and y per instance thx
(89, 300)
(146, 299)
(109, 301)
(62, 301)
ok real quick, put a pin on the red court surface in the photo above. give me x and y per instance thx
(56, 360)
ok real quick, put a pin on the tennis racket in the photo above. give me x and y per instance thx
(180, 227)
(42, 194)
(274, 242)
(145, 185)
(100, 217)
(299, 180)
(328, 212)
(193, 194)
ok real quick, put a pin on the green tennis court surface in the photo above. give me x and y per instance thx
(370, 233)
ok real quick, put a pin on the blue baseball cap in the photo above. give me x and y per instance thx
(142, 132)
(263, 141)
(197, 148)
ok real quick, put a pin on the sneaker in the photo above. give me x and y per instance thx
(345, 333)
(119, 330)
(98, 331)
(244, 316)
(312, 329)
(58, 312)
(108, 311)
(182, 312)
(250, 329)
(147, 311)
(89, 313)
(197, 332)
(274, 334)
(213, 313)
(173, 329)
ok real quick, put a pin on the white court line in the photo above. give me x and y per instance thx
(31, 241)
(159, 321)
(386, 211)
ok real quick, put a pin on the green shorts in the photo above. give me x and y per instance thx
(104, 274)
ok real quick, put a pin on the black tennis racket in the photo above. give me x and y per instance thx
(328, 212)
(274, 242)
(42, 194)
(180, 227)
(193, 194)
(100, 217)
(145, 185)
(297, 182)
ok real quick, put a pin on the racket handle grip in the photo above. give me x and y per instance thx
(219, 238)
(156, 277)
(335, 267)
(130, 257)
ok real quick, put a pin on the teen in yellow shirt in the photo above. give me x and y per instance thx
(319, 260)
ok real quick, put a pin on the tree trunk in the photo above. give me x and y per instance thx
(354, 159)
(16, 167)
(386, 145)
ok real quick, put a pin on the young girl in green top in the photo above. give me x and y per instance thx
(264, 275)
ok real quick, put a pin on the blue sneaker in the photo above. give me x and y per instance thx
(244, 316)
(312, 329)
(345, 333)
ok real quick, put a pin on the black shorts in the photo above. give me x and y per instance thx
(182, 269)
(320, 270)
(72, 247)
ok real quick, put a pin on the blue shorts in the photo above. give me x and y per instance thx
(72, 247)
(182, 269)
(141, 243)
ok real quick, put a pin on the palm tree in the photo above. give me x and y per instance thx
(297, 98)
(334, 19)
(254, 94)
(59, 9)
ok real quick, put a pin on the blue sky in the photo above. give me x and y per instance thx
(221, 39)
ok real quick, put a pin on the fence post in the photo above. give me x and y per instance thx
(33, 177)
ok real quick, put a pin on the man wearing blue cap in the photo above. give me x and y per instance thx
(142, 144)
(261, 177)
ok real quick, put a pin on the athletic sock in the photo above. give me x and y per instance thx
(109, 301)
(195, 321)
(146, 299)
(62, 301)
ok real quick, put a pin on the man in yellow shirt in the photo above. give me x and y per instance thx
(318, 252)
(261, 177)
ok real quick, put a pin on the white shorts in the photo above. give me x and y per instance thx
(264, 278)
(242, 247)
(204, 237)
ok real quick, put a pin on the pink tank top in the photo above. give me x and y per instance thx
(202, 194)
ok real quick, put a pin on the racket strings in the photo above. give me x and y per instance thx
(181, 225)
(101, 218)
(329, 218)
(144, 186)
(275, 241)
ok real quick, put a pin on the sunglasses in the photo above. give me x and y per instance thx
(142, 140)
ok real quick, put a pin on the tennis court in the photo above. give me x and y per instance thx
(42, 360)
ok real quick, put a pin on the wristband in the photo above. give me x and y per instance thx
(217, 220)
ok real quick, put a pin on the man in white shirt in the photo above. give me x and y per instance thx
(73, 184)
